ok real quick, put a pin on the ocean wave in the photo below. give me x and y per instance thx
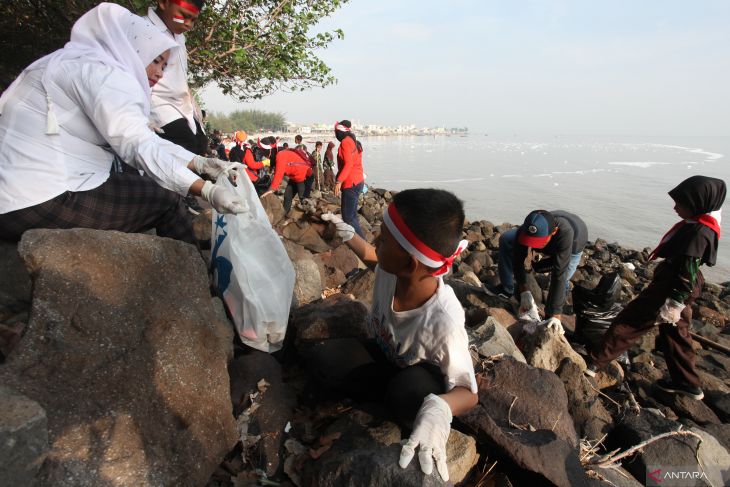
(641, 164)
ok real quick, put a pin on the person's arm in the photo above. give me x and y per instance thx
(111, 100)
(364, 251)
(278, 176)
(518, 266)
(688, 268)
(460, 400)
(558, 279)
(252, 163)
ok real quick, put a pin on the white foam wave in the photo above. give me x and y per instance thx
(641, 164)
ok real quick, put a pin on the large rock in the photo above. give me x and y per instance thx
(273, 207)
(23, 438)
(126, 354)
(546, 348)
(336, 264)
(364, 452)
(268, 406)
(335, 317)
(360, 286)
(305, 235)
(308, 283)
(674, 453)
(492, 338)
(513, 393)
(591, 419)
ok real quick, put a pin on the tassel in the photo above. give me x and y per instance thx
(51, 120)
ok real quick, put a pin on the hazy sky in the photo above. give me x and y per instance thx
(659, 67)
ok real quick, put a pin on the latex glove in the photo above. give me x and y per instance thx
(431, 430)
(670, 312)
(223, 199)
(528, 307)
(344, 231)
(554, 324)
(210, 166)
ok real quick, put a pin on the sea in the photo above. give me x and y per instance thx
(618, 185)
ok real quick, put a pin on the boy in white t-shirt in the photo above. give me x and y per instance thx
(420, 346)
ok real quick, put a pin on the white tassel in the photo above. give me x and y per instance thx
(51, 120)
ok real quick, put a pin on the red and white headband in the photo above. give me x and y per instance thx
(341, 128)
(193, 9)
(414, 246)
(265, 146)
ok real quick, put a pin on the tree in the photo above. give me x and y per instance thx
(248, 120)
(250, 48)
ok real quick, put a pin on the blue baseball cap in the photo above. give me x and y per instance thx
(537, 229)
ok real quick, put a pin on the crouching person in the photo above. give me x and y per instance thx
(70, 115)
(418, 361)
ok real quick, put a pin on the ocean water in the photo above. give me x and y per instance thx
(617, 185)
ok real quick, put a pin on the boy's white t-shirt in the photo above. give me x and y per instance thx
(433, 333)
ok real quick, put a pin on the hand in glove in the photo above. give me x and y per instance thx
(528, 308)
(223, 199)
(210, 166)
(431, 430)
(670, 312)
(554, 324)
(344, 231)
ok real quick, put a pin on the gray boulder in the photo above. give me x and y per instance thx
(546, 349)
(23, 438)
(308, 282)
(127, 356)
(492, 338)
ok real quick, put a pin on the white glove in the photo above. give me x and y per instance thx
(223, 199)
(554, 324)
(431, 430)
(209, 166)
(344, 231)
(670, 312)
(528, 307)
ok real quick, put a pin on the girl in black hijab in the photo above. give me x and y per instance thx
(676, 283)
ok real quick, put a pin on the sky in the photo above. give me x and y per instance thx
(531, 67)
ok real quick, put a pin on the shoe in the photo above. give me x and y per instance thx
(497, 291)
(192, 203)
(591, 369)
(691, 391)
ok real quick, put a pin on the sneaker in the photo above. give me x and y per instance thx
(192, 203)
(691, 391)
(497, 291)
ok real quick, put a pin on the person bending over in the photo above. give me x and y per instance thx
(559, 237)
(70, 115)
(418, 359)
(676, 284)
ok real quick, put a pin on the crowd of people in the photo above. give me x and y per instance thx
(104, 134)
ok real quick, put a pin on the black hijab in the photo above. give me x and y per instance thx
(701, 195)
(341, 134)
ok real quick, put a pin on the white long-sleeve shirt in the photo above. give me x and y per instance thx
(100, 109)
(171, 97)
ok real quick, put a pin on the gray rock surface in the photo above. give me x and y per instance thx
(23, 438)
(127, 356)
(491, 338)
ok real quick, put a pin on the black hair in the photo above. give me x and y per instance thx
(198, 3)
(435, 216)
(318, 143)
(298, 138)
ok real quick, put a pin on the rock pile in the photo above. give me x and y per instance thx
(118, 370)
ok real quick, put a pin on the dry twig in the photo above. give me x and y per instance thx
(611, 459)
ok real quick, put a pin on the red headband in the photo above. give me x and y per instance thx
(414, 246)
(187, 6)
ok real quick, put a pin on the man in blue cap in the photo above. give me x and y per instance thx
(560, 238)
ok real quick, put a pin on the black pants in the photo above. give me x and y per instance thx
(178, 132)
(292, 188)
(126, 202)
(361, 371)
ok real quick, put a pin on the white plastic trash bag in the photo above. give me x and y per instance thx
(252, 271)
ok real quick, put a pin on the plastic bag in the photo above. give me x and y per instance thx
(596, 308)
(252, 271)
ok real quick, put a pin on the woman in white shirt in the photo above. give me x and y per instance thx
(70, 114)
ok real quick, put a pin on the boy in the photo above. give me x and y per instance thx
(419, 358)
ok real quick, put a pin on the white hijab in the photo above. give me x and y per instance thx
(108, 34)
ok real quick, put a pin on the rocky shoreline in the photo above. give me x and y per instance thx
(119, 369)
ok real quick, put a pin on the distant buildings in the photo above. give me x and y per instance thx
(373, 129)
